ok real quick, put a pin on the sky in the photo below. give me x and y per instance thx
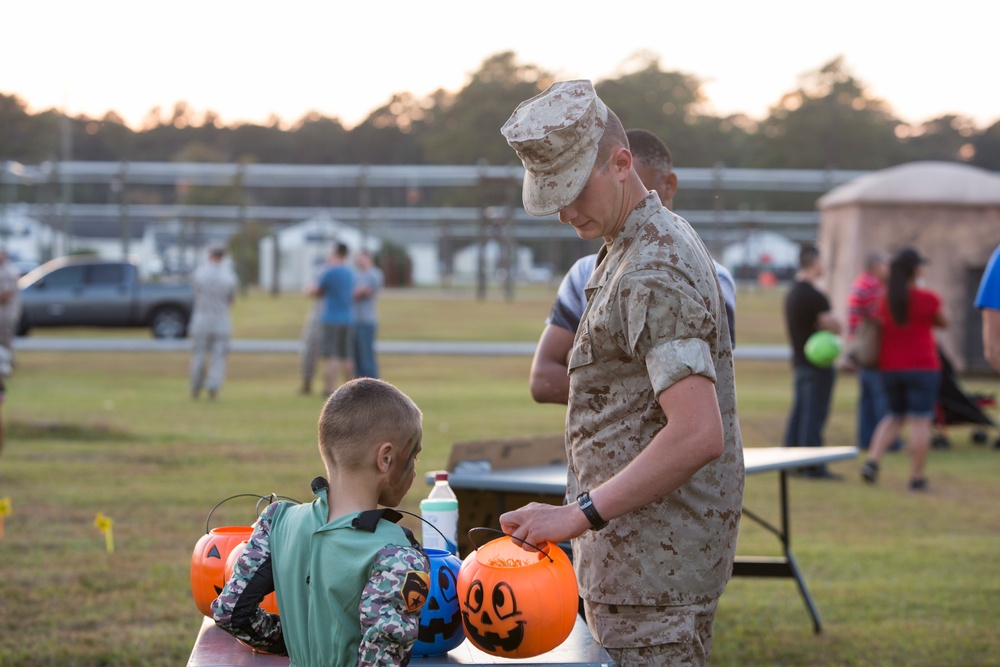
(248, 60)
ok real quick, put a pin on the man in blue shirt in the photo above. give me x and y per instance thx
(335, 286)
(988, 301)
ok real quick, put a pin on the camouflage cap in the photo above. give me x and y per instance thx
(556, 135)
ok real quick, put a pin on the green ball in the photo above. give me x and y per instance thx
(823, 348)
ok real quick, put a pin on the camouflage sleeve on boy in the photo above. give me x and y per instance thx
(390, 606)
(237, 609)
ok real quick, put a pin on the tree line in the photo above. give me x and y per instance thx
(829, 121)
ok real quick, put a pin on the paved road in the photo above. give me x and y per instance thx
(496, 348)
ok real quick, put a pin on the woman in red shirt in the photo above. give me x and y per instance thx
(910, 366)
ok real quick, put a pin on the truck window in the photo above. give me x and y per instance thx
(68, 276)
(106, 274)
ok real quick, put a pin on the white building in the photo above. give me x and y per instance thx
(467, 260)
(762, 251)
(303, 248)
(26, 240)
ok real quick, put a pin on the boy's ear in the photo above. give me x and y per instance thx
(384, 455)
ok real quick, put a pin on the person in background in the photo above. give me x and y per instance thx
(310, 338)
(335, 287)
(910, 366)
(5, 371)
(655, 165)
(349, 582)
(654, 451)
(863, 301)
(988, 302)
(548, 381)
(370, 281)
(10, 313)
(211, 327)
(807, 310)
(10, 303)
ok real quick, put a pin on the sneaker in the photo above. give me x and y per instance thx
(918, 484)
(869, 472)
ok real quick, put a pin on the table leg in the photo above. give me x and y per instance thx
(779, 567)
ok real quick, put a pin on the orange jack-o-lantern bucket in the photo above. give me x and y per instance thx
(208, 563)
(211, 552)
(517, 603)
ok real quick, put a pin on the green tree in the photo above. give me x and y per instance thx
(829, 122)
(107, 139)
(396, 264)
(24, 137)
(466, 128)
(391, 133)
(949, 138)
(668, 104)
(317, 139)
(987, 148)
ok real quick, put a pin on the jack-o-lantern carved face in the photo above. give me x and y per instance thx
(440, 620)
(492, 617)
(517, 603)
(208, 563)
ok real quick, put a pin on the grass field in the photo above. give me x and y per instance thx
(900, 579)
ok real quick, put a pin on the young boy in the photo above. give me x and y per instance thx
(349, 582)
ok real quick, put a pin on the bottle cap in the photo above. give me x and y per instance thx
(441, 475)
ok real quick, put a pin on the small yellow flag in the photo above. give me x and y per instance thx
(105, 524)
(5, 509)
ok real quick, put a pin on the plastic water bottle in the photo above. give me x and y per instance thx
(440, 509)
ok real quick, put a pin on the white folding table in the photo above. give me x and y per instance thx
(549, 483)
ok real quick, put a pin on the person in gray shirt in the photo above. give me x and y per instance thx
(369, 281)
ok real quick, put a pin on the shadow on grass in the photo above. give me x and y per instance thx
(52, 430)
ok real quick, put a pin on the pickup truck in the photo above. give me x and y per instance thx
(85, 291)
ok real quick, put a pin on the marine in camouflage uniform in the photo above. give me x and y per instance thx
(211, 327)
(652, 427)
(349, 591)
(10, 302)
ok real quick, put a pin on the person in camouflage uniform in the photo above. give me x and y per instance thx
(655, 475)
(211, 329)
(10, 302)
(349, 582)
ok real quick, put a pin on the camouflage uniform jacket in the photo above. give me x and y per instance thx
(349, 591)
(655, 316)
(214, 288)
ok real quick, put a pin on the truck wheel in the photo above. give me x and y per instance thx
(168, 323)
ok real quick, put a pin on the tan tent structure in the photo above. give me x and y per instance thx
(949, 212)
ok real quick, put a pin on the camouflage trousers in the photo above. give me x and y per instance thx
(310, 340)
(640, 636)
(9, 316)
(208, 361)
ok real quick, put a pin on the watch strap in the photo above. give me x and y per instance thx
(593, 516)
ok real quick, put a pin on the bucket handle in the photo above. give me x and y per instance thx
(271, 498)
(452, 547)
(518, 539)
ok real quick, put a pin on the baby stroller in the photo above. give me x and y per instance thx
(955, 407)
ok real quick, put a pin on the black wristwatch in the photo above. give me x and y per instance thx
(587, 505)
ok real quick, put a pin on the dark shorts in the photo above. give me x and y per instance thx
(338, 341)
(911, 393)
